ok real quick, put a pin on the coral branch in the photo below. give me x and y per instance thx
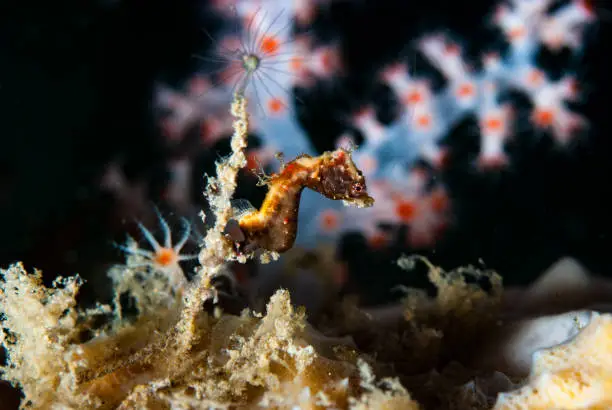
(216, 249)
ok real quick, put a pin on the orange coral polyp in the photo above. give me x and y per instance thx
(406, 210)
(270, 45)
(166, 257)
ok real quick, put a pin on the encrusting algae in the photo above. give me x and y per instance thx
(279, 360)
(185, 350)
(275, 360)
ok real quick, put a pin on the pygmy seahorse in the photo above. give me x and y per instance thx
(274, 226)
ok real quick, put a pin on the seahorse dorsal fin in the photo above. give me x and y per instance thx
(241, 207)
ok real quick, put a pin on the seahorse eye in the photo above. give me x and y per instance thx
(357, 188)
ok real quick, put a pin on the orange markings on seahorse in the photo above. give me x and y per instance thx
(274, 226)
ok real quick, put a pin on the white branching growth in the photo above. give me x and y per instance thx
(216, 249)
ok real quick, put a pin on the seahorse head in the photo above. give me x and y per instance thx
(337, 177)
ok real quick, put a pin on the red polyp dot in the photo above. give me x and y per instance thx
(270, 45)
(493, 124)
(517, 33)
(165, 256)
(413, 97)
(465, 90)
(535, 77)
(452, 49)
(275, 105)
(405, 210)
(329, 221)
(296, 63)
(424, 121)
(543, 118)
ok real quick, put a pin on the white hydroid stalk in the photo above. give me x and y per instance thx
(216, 249)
